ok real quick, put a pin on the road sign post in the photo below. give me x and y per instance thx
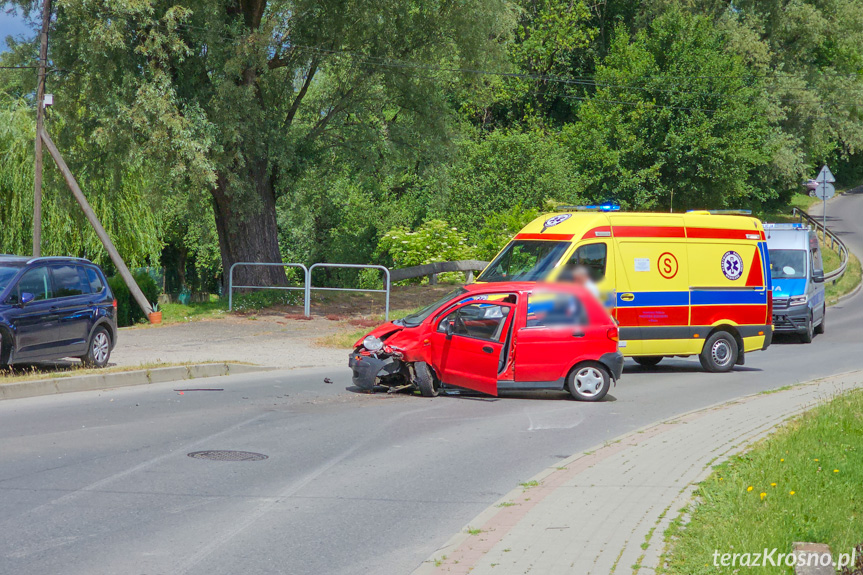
(825, 191)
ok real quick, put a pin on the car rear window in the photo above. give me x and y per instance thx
(70, 280)
(95, 281)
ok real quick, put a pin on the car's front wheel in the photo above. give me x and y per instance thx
(426, 380)
(589, 381)
(809, 333)
(719, 353)
(99, 349)
(821, 326)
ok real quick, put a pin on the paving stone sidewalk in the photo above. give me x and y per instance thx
(594, 511)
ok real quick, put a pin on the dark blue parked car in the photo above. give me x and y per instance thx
(55, 307)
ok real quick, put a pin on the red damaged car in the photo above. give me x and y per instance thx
(495, 337)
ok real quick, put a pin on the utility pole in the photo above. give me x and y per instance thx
(40, 117)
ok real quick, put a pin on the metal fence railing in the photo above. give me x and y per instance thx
(831, 240)
(386, 290)
(232, 287)
(307, 283)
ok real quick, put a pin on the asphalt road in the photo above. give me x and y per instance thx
(100, 482)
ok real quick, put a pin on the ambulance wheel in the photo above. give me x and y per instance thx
(426, 380)
(806, 336)
(820, 329)
(720, 352)
(589, 381)
(648, 361)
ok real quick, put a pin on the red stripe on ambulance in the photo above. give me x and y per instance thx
(739, 314)
(550, 237)
(648, 316)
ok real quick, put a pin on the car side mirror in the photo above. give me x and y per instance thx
(27, 297)
(449, 329)
(818, 277)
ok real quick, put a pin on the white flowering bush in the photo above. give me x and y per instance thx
(434, 241)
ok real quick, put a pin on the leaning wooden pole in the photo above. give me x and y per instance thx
(40, 115)
(97, 225)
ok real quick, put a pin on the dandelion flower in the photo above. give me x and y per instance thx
(763, 495)
(749, 488)
(782, 460)
(772, 485)
(835, 471)
(814, 460)
(791, 492)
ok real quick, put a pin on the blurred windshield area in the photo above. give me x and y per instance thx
(787, 264)
(524, 260)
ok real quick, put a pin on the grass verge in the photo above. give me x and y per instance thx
(849, 280)
(803, 483)
(17, 374)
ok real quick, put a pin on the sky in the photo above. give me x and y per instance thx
(12, 24)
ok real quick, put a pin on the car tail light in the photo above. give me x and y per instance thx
(114, 303)
(613, 334)
(769, 308)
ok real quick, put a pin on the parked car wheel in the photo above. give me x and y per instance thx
(819, 330)
(806, 336)
(720, 352)
(589, 381)
(649, 361)
(426, 379)
(99, 349)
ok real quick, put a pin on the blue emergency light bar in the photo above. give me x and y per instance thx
(784, 226)
(606, 207)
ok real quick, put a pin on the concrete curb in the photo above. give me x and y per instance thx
(430, 566)
(98, 381)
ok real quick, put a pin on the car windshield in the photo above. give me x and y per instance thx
(6, 275)
(524, 260)
(417, 317)
(787, 264)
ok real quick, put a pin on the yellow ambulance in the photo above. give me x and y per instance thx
(678, 284)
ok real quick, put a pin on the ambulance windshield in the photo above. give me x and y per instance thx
(787, 264)
(524, 260)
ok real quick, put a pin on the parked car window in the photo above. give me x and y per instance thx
(37, 282)
(481, 320)
(95, 281)
(546, 309)
(7, 273)
(68, 282)
(591, 256)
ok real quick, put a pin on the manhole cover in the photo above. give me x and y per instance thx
(222, 455)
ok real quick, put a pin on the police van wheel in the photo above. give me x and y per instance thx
(820, 329)
(720, 352)
(806, 336)
(426, 380)
(648, 361)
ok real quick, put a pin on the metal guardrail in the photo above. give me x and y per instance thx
(307, 282)
(231, 285)
(387, 282)
(436, 268)
(836, 243)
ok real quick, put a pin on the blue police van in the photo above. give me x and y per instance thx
(797, 270)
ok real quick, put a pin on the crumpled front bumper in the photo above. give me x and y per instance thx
(366, 369)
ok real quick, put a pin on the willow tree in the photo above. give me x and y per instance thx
(237, 98)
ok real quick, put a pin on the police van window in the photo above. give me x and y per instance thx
(554, 310)
(787, 264)
(817, 264)
(591, 256)
(68, 282)
(37, 282)
(524, 260)
(481, 320)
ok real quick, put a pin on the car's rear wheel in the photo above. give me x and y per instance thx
(806, 336)
(720, 352)
(99, 349)
(426, 380)
(589, 381)
(821, 326)
(648, 361)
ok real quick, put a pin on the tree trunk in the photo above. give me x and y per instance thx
(247, 230)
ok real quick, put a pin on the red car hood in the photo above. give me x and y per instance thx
(381, 332)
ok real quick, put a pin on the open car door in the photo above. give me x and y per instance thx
(469, 344)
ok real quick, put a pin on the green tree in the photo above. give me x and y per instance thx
(241, 97)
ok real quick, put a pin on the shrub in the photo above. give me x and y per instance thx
(500, 227)
(434, 241)
(128, 311)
